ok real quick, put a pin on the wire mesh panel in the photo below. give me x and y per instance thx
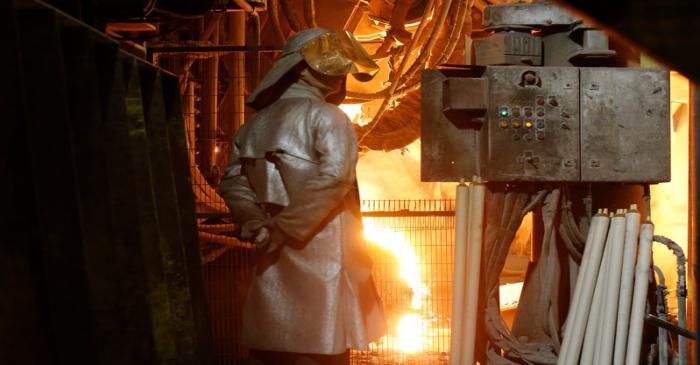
(411, 243)
(213, 110)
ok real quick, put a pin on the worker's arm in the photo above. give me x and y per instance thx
(236, 191)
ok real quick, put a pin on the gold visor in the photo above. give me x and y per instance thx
(337, 54)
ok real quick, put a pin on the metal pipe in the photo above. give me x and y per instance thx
(209, 106)
(633, 217)
(397, 76)
(460, 263)
(658, 322)
(591, 342)
(639, 300)
(475, 237)
(243, 4)
(290, 15)
(310, 13)
(275, 16)
(681, 293)
(610, 305)
(661, 310)
(355, 16)
(233, 103)
(585, 286)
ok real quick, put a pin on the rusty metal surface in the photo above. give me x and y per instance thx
(449, 149)
(625, 128)
(534, 15)
(547, 150)
(509, 48)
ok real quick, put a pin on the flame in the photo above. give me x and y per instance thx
(354, 112)
(411, 329)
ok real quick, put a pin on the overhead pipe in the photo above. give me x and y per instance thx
(585, 286)
(460, 269)
(475, 239)
(606, 337)
(591, 343)
(244, 5)
(681, 294)
(233, 101)
(639, 300)
(310, 13)
(355, 16)
(661, 312)
(632, 218)
(274, 8)
(209, 102)
(290, 15)
(397, 76)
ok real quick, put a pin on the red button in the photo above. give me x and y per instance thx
(540, 101)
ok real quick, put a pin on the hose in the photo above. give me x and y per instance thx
(424, 55)
(275, 16)
(661, 312)
(310, 13)
(681, 293)
(394, 81)
(456, 34)
(290, 15)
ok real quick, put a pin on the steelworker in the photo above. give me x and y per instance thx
(291, 187)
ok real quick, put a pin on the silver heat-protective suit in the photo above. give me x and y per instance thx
(293, 167)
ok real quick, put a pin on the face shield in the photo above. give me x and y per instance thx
(331, 53)
(339, 54)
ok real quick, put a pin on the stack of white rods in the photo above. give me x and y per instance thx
(583, 294)
(606, 316)
(469, 219)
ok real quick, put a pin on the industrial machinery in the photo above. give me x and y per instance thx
(548, 120)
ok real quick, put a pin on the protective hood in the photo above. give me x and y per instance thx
(327, 52)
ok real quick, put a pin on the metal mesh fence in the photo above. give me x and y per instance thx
(213, 86)
(411, 243)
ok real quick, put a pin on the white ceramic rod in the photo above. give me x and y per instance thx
(609, 308)
(585, 285)
(626, 284)
(475, 234)
(591, 341)
(639, 298)
(460, 264)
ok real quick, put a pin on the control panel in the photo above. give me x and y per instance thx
(523, 123)
(532, 123)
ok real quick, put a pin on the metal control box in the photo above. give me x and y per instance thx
(523, 123)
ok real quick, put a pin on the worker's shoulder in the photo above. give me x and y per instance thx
(327, 112)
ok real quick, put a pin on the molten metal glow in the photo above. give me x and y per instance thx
(398, 245)
(417, 329)
(509, 295)
(354, 112)
(411, 328)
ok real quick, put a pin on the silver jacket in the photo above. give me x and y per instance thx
(298, 155)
